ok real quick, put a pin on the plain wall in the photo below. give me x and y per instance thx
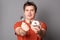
(48, 11)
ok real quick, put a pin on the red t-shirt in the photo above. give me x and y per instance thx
(31, 35)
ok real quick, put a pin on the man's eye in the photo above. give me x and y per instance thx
(26, 10)
(32, 10)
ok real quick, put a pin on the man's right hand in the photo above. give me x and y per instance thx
(22, 30)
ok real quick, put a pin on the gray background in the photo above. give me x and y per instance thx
(48, 11)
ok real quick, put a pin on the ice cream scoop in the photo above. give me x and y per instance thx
(24, 27)
(35, 23)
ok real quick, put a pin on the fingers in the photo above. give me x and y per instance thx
(17, 30)
(22, 32)
(35, 29)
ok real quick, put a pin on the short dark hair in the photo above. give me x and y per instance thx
(30, 4)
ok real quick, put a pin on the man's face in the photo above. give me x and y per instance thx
(29, 12)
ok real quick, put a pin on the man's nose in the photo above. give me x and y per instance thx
(29, 11)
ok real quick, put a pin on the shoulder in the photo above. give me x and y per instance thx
(18, 23)
(43, 25)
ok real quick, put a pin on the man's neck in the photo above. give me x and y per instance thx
(28, 21)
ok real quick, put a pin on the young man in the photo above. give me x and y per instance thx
(24, 30)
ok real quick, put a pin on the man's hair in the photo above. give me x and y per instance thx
(30, 4)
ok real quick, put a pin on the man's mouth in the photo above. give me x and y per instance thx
(29, 15)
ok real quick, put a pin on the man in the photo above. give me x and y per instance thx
(24, 30)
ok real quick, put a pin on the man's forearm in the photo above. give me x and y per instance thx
(42, 33)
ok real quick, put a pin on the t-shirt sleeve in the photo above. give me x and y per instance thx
(17, 24)
(43, 25)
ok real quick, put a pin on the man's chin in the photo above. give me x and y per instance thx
(31, 19)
